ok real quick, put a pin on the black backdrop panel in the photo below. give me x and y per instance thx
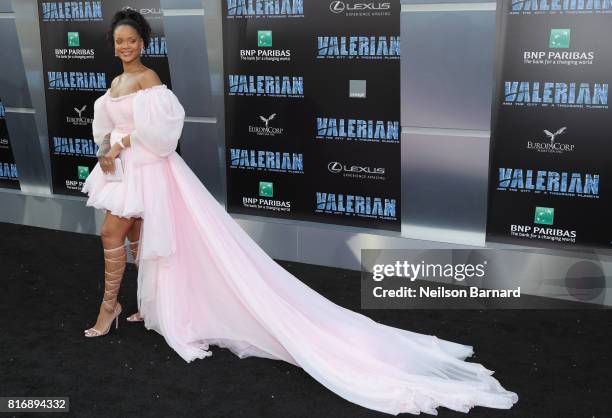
(298, 146)
(550, 164)
(78, 66)
(9, 177)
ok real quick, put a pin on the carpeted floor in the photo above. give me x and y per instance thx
(51, 286)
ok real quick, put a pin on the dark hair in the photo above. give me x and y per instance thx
(133, 18)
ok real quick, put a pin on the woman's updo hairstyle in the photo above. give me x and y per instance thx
(133, 18)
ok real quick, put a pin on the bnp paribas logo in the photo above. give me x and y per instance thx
(264, 50)
(544, 216)
(266, 189)
(83, 172)
(264, 38)
(73, 39)
(559, 38)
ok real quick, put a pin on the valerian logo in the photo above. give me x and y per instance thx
(358, 46)
(527, 7)
(553, 94)
(544, 182)
(264, 8)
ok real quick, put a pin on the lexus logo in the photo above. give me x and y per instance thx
(337, 6)
(336, 167)
(146, 11)
(151, 11)
(340, 6)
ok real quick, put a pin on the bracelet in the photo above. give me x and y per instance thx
(121, 143)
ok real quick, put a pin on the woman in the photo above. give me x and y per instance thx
(203, 281)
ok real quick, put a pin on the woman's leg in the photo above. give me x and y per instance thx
(113, 233)
(133, 237)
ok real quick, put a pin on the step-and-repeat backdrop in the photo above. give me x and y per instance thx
(78, 66)
(550, 179)
(8, 169)
(312, 94)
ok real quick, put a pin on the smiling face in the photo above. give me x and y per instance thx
(128, 43)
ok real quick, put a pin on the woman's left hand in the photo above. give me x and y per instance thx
(107, 162)
(113, 152)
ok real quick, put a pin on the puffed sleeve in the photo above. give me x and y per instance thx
(158, 121)
(101, 124)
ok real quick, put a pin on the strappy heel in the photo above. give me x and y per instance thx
(112, 282)
(133, 245)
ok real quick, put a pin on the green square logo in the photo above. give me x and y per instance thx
(544, 216)
(266, 189)
(264, 38)
(83, 172)
(559, 38)
(73, 39)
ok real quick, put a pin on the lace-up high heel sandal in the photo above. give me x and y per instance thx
(112, 282)
(135, 317)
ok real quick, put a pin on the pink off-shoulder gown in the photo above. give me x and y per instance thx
(202, 280)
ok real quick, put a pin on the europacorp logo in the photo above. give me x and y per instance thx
(78, 118)
(550, 144)
(266, 128)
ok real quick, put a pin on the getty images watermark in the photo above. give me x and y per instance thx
(476, 279)
(431, 271)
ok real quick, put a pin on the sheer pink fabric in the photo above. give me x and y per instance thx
(203, 280)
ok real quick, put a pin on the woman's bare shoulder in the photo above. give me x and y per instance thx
(148, 79)
(115, 81)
